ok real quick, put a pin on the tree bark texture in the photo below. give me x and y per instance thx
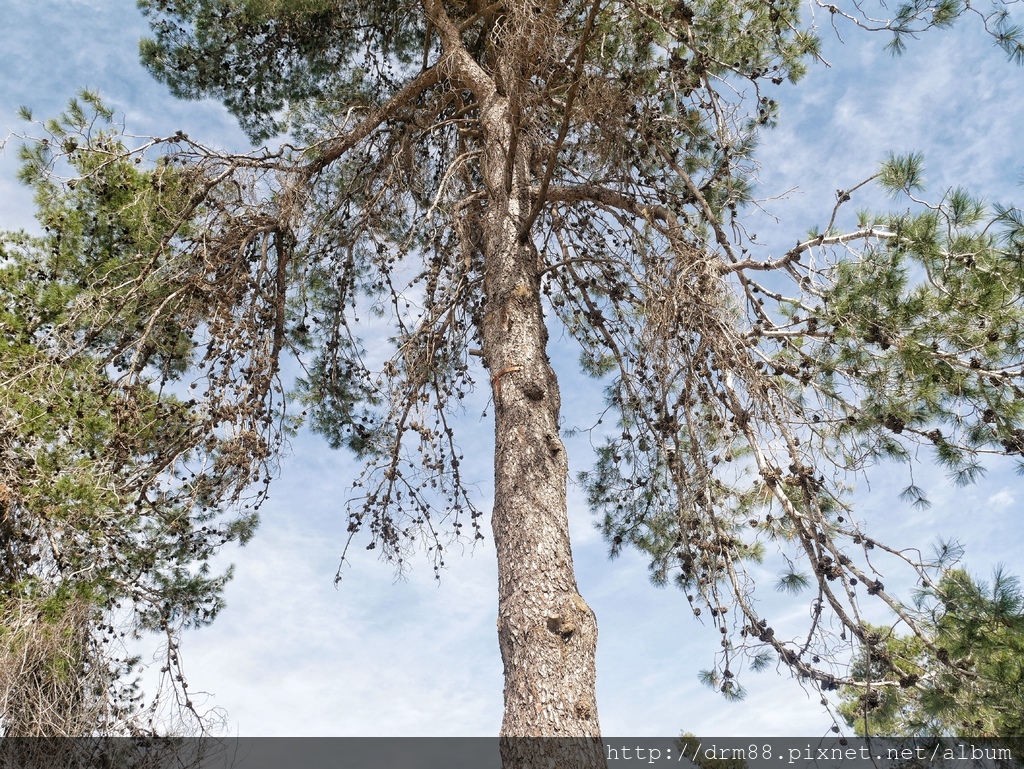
(547, 633)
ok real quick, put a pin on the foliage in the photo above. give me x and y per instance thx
(261, 56)
(108, 482)
(911, 690)
(913, 340)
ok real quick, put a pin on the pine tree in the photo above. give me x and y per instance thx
(107, 521)
(468, 170)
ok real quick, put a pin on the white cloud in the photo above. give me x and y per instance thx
(1002, 500)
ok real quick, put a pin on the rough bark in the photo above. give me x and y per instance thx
(547, 633)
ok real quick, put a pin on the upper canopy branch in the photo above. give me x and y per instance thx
(794, 253)
(606, 196)
(563, 129)
(338, 146)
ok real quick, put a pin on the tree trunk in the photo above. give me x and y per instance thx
(547, 633)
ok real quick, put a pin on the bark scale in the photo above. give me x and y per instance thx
(547, 633)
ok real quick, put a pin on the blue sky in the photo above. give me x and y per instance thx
(294, 655)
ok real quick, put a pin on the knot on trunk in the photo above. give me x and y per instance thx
(533, 391)
(561, 625)
(569, 616)
(554, 445)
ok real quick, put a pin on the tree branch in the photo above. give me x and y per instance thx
(342, 144)
(794, 253)
(570, 99)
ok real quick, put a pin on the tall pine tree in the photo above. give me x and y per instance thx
(470, 171)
